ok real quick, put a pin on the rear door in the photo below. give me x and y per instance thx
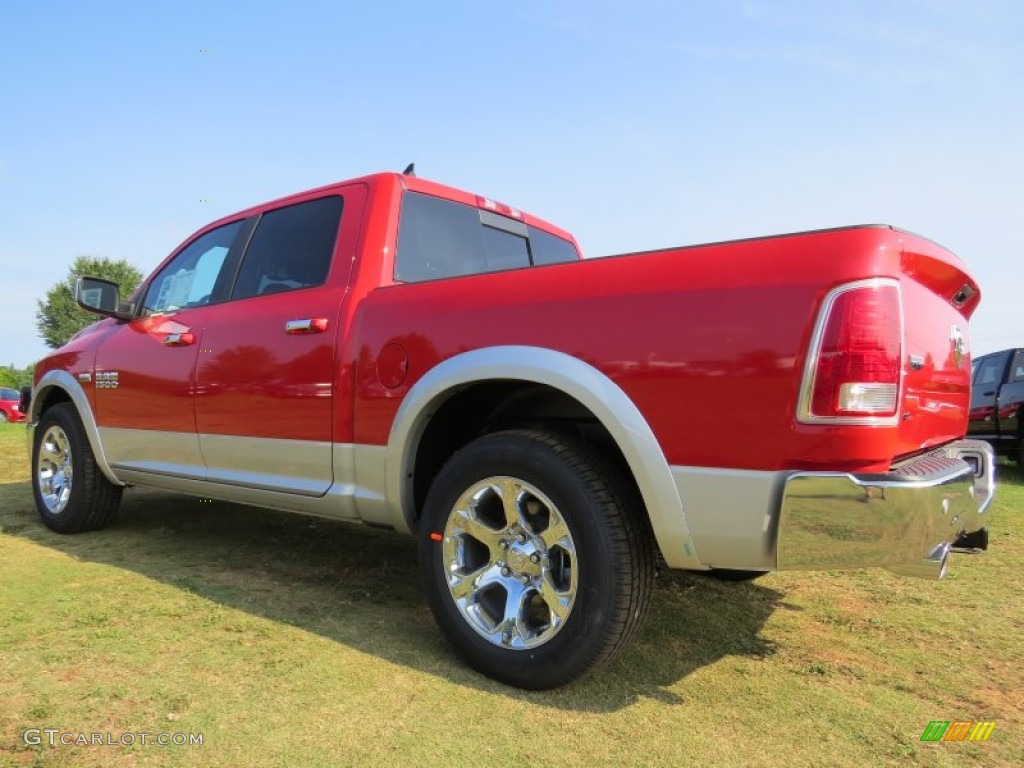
(1011, 399)
(266, 374)
(988, 377)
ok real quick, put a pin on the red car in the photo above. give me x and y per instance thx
(9, 399)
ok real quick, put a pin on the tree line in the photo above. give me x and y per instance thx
(15, 378)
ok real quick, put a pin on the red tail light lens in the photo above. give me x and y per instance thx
(856, 368)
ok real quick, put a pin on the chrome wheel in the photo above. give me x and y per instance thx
(54, 473)
(510, 563)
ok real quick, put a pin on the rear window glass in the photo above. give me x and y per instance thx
(440, 238)
(548, 249)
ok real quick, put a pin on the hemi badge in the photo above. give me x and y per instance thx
(85, 378)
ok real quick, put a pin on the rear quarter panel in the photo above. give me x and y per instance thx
(708, 341)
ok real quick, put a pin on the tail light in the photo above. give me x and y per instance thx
(854, 366)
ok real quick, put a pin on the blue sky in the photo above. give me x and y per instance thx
(634, 125)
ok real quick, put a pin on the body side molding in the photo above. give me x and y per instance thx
(576, 378)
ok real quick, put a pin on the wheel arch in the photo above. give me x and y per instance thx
(61, 387)
(573, 380)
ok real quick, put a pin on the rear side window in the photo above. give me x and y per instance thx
(440, 238)
(290, 249)
(1018, 368)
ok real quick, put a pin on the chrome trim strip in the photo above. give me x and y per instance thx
(581, 381)
(803, 410)
(732, 514)
(65, 381)
(838, 520)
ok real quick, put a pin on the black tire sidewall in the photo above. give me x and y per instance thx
(70, 519)
(580, 641)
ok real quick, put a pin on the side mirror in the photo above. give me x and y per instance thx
(102, 297)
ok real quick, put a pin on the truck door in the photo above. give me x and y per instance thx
(267, 373)
(144, 370)
(984, 421)
(1011, 399)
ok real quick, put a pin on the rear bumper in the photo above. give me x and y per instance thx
(907, 520)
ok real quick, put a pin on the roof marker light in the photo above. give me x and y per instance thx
(491, 205)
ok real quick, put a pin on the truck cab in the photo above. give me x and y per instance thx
(997, 402)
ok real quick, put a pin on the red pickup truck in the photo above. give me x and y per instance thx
(397, 352)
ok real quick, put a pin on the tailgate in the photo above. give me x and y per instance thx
(939, 297)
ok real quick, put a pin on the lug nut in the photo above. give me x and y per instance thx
(534, 558)
(505, 571)
(503, 544)
(525, 579)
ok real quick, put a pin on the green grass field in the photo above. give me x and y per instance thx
(286, 640)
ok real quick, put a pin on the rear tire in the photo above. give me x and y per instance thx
(537, 561)
(72, 494)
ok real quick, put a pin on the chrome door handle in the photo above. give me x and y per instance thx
(179, 339)
(308, 325)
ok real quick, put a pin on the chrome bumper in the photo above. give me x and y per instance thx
(907, 520)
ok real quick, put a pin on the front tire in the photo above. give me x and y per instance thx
(537, 562)
(72, 494)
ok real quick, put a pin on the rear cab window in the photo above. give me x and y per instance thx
(1018, 368)
(439, 238)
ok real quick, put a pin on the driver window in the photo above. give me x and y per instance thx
(189, 279)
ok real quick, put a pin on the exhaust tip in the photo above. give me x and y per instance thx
(933, 566)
